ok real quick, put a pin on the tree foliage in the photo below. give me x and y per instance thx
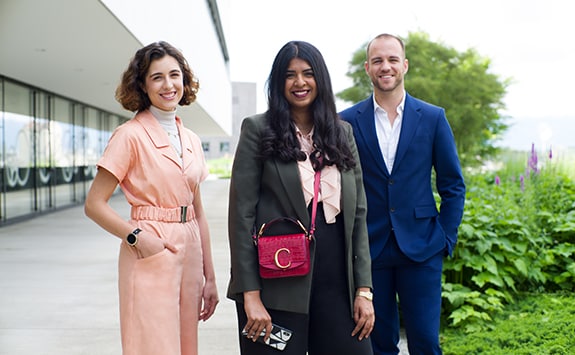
(460, 82)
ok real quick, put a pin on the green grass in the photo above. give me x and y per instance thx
(537, 324)
(221, 167)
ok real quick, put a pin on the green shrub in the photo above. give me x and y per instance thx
(517, 235)
(539, 324)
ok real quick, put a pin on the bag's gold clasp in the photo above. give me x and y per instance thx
(277, 256)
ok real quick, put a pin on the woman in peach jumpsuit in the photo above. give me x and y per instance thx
(166, 274)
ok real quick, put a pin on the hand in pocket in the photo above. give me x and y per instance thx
(150, 244)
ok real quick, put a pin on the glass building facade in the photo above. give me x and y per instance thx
(49, 146)
(57, 106)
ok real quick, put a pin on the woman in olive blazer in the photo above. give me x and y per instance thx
(262, 189)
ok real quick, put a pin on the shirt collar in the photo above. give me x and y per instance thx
(300, 133)
(399, 107)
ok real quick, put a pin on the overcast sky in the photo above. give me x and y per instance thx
(531, 42)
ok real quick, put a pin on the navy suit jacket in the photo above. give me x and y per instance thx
(403, 201)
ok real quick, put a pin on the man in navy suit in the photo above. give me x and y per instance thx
(400, 140)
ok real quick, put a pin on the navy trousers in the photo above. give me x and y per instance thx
(414, 288)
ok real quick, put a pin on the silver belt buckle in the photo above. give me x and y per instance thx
(184, 214)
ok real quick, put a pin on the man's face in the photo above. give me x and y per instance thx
(386, 64)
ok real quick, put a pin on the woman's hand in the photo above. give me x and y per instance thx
(148, 244)
(258, 317)
(210, 300)
(364, 317)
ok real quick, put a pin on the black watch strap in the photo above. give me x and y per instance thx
(132, 238)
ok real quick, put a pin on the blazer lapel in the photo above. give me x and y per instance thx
(289, 177)
(366, 125)
(411, 118)
(158, 136)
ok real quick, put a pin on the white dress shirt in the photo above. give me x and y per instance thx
(388, 134)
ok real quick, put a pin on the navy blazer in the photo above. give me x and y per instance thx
(261, 190)
(403, 201)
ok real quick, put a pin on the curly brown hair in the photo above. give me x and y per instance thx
(130, 93)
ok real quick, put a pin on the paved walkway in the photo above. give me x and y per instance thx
(58, 284)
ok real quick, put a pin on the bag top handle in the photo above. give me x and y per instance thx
(316, 185)
(280, 219)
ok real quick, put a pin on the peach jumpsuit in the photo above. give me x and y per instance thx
(161, 295)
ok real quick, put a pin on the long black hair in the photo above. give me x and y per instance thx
(279, 139)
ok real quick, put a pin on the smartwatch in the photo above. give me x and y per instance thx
(132, 238)
(366, 294)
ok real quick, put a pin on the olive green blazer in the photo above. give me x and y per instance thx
(263, 190)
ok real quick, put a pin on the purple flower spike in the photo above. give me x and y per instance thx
(550, 153)
(497, 180)
(532, 163)
(522, 182)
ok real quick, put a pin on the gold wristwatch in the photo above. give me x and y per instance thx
(132, 238)
(366, 294)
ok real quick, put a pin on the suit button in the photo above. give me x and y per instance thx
(391, 182)
(392, 210)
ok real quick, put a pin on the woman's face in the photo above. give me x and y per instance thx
(300, 86)
(165, 83)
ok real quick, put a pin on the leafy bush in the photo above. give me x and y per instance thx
(517, 235)
(539, 324)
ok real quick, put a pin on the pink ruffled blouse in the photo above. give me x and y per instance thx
(330, 183)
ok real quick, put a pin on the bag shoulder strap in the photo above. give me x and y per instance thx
(316, 184)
